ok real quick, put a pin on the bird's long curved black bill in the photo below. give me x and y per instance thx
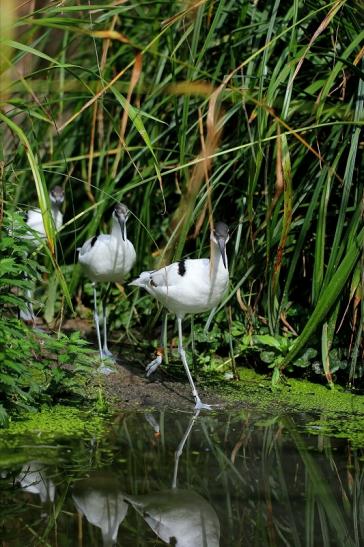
(222, 246)
(122, 222)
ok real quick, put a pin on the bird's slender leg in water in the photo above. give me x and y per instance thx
(180, 447)
(105, 349)
(193, 342)
(199, 404)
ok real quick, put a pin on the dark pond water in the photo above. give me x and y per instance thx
(217, 479)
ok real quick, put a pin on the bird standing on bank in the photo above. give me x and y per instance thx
(36, 234)
(190, 286)
(108, 258)
(34, 216)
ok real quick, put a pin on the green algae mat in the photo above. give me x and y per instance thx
(333, 412)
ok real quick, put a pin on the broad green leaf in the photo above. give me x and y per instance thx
(267, 340)
(328, 297)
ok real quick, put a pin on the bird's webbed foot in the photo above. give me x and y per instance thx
(106, 354)
(105, 370)
(202, 406)
(27, 315)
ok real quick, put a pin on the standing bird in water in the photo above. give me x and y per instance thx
(190, 286)
(106, 259)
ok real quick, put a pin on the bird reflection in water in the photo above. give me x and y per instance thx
(178, 516)
(33, 479)
(100, 499)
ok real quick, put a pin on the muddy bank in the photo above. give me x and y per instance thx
(336, 412)
(129, 387)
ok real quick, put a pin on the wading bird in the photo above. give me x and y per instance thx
(107, 258)
(190, 286)
(34, 216)
(34, 220)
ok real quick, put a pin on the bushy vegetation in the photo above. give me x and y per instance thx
(36, 368)
(247, 111)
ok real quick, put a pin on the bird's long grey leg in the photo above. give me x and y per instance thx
(105, 349)
(181, 446)
(28, 313)
(97, 322)
(102, 368)
(199, 404)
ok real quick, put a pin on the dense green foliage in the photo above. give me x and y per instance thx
(36, 368)
(250, 111)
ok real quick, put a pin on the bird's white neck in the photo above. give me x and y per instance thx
(217, 267)
(116, 230)
(54, 208)
(56, 214)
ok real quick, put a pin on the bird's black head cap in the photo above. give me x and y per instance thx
(121, 213)
(221, 231)
(121, 210)
(57, 195)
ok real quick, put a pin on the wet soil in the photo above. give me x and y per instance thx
(130, 387)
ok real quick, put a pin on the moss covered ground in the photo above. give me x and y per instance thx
(332, 412)
(323, 411)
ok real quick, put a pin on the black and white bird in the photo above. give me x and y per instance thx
(190, 286)
(108, 258)
(37, 234)
(35, 220)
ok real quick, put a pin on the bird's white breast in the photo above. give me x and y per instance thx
(107, 259)
(35, 222)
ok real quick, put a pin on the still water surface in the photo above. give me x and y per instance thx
(217, 479)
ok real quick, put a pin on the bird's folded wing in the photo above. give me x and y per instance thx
(167, 276)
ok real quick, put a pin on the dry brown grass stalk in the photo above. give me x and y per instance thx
(200, 174)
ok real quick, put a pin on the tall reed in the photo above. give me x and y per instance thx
(255, 108)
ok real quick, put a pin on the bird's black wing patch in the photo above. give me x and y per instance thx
(182, 267)
(93, 241)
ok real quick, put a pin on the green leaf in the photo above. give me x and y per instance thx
(328, 297)
(267, 340)
(44, 203)
(267, 356)
(135, 117)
